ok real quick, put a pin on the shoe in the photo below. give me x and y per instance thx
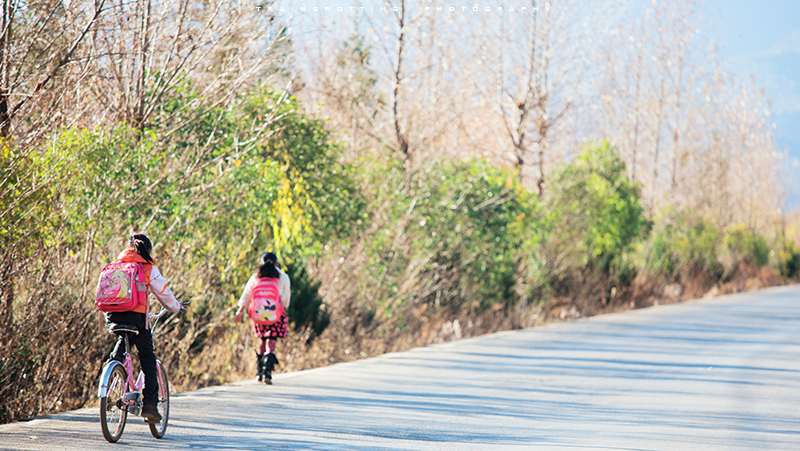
(260, 366)
(150, 413)
(269, 364)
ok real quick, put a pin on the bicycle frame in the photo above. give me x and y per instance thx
(117, 383)
(127, 366)
(137, 386)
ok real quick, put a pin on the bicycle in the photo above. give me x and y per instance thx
(120, 395)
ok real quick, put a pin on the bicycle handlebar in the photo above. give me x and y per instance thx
(164, 311)
(159, 314)
(154, 318)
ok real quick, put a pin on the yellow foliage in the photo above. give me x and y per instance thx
(290, 221)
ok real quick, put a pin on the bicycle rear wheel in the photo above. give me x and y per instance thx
(113, 412)
(159, 429)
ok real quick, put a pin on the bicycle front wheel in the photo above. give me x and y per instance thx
(113, 411)
(159, 429)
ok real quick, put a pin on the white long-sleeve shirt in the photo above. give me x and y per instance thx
(284, 289)
(164, 296)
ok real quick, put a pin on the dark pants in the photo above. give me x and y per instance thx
(144, 345)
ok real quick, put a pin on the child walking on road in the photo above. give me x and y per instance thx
(268, 333)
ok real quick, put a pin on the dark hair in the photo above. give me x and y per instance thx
(141, 244)
(269, 263)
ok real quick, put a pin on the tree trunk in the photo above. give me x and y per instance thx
(635, 148)
(676, 135)
(5, 38)
(141, 78)
(401, 139)
(540, 181)
(657, 146)
(5, 120)
(7, 295)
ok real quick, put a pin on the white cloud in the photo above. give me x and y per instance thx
(787, 45)
(787, 105)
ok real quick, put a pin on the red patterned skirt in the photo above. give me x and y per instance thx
(272, 331)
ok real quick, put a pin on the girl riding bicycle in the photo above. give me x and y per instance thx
(138, 250)
(268, 334)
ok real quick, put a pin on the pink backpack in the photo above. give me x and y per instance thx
(121, 287)
(266, 306)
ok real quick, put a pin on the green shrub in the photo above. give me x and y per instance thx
(789, 259)
(474, 218)
(593, 211)
(306, 308)
(453, 233)
(212, 185)
(746, 245)
(681, 245)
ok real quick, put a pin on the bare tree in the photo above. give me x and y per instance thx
(668, 94)
(402, 21)
(145, 48)
(38, 44)
(526, 88)
(538, 79)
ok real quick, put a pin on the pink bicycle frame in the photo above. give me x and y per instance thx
(139, 383)
(127, 365)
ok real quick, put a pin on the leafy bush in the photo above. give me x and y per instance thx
(475, 218)
(306, 308)
(318, 198)
(681, 245)
(746, 245)
(451, 234)
(212, 186)
(788, 257)
(593, 211)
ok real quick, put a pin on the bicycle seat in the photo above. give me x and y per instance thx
(118, 328)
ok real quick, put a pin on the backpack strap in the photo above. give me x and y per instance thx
(143, 282)
(147, 269)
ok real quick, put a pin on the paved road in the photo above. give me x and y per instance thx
(720, 374)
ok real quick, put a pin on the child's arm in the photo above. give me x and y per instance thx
(285, 289)
(164, 296)
(244, 299)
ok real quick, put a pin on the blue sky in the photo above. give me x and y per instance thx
(762, 38)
